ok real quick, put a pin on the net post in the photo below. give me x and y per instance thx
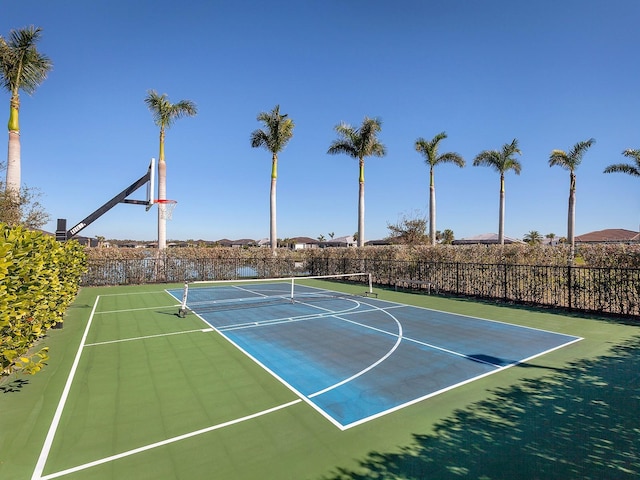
(370, 284)
(183, 306)
(292, 287)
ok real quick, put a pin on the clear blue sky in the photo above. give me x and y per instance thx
(549, 73)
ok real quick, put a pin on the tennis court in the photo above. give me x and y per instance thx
(257, 382)
(354, 358)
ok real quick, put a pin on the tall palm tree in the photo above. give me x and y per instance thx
(275, 136)
(22, 67)
(430, 152)
(359, 143)
(629, 168)
(502, 161)
(570, 161)
(165, 114)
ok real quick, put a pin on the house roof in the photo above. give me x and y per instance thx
(611, 235)
(306, 240)
(485, 238)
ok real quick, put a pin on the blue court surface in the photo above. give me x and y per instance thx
(355, 358)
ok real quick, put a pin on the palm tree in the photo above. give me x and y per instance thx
(22, 67)
(447, 236)
(277, 133)
(570, 161)
(502, 161)
(551, 237)
(628, 168)
(430, 152)
(533, 237)
(165, 114)
(359, 143)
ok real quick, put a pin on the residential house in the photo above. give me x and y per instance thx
(611, 235)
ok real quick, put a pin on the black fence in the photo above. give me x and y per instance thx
(603, 290)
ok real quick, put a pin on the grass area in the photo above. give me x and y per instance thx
(572, 413)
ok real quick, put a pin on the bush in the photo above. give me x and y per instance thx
(39, 279)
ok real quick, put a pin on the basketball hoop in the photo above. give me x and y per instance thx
(166, 208)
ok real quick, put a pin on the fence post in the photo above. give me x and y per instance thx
(504, 282)
(569, 287)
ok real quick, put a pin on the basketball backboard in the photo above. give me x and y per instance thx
(151, 184)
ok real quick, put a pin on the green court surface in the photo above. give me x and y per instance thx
(133, 391)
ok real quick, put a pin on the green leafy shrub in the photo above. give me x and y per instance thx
(39, 279)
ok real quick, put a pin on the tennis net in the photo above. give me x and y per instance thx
(206, 296)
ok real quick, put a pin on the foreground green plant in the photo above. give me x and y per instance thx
(39, 278)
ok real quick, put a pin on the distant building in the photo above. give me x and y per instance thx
(611, 235)
(485, 239)
(302, 243)
(346, 241)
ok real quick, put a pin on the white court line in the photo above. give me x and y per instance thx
(147, 336)
(138, 309)
(46, 448)
(168, 441)
(48, 442)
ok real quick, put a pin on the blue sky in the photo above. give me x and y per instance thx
(548, 73)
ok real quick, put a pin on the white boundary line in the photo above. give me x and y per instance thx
(307, 399)
(167, 441)
(48, 442)
(46, 448)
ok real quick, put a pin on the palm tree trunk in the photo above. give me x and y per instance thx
(162, 195)
(12, 184)
(13, 163)
(361, 206)
(501, 218)
(571, 216)
(432, 208)
(273, 235)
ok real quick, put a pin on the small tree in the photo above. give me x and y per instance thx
(551, 237)
(24, 209)
(533, 237)
(409, 230)
(447, 237)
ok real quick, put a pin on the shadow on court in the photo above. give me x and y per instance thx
(14, 386)
(580, 423)
(503, 362)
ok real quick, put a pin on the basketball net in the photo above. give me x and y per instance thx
(166, 208)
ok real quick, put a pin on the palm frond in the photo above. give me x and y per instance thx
(359, 143)
(452, 157)
(22, 67)
(343, 146)
(164, 112)
(570, 160)
(488, 158)
(501, 160)
(277, 132)
(429, 149)
(631, 153)
(623, 168)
